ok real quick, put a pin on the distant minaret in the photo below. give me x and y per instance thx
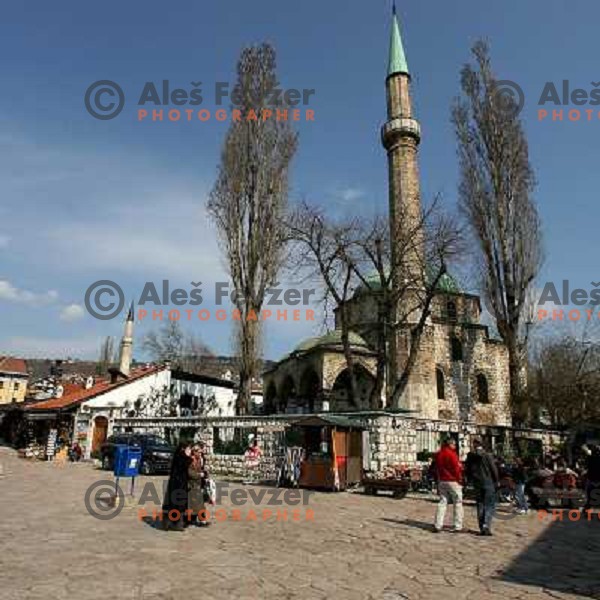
(127, 344)
(400, 137)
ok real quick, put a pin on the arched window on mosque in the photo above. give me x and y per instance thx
(482, 389)
(456, 348)
(451, 310)
(439, 380)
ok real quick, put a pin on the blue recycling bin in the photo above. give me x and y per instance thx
(127, 460)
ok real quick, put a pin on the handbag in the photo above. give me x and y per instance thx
(210, 492)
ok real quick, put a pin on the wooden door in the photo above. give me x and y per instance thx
(100, 431)
(340, 451)
(354, 459)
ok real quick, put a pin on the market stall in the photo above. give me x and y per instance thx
(47, 433)
(332, 451)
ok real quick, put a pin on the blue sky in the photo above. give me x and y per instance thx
(83, 199)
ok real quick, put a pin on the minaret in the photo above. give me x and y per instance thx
(400, 137)
(127, 344)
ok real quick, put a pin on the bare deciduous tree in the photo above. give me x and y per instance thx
(171, 343)
(358, 253)
(404, 294)
(107, 355)
(496, 184)
(324, 250)
(248, 202)
(563, 382)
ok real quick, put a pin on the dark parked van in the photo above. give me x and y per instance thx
(157, 453)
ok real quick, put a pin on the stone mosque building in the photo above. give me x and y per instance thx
(458, 385)
(461, 374)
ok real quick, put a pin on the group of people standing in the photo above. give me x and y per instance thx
(480, 470)
(483, 472)
(187, 489)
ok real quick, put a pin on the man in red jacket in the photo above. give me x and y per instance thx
(448, 472)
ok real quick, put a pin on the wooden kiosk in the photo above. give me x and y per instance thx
(333, 447)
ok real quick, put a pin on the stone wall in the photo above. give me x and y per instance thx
(235, 466)
(392, 439)
(466, 308)
(292, 373)
(325, 365)
(481, 356)
(268, 431)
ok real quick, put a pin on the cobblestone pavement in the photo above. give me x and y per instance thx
(357, 547)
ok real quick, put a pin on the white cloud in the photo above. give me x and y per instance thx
(93, 213)
(41, 347)
(11, 293)
(167, 237)
(72, 312)
(351, 194)
(4, 241)
(139, 218)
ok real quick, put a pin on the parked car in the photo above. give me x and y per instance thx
(157, 453)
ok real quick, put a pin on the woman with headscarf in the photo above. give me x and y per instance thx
(197, 481)
(175, 503)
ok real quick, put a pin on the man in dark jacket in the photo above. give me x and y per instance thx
(593, 475)
(481, 471)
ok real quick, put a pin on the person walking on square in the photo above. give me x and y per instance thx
(520, 476)
(448, 472)
(253, 459)
(175, 503)
(592, 489)
(482, 472)
(197, 482)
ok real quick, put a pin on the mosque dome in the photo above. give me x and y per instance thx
(331, 338)
(447, 283)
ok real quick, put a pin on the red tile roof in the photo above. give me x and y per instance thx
(11, 365)
(75, 395)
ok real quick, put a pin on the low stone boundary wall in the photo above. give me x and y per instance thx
(388, 439)
(235, 466)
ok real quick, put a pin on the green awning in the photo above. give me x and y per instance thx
(329, 421)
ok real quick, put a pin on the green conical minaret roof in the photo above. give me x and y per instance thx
(397, 62)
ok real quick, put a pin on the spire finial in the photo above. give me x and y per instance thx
(130, 313)
(397, 62)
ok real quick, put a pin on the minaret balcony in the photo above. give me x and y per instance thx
(396, 129)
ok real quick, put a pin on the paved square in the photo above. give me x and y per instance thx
(358, 547)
